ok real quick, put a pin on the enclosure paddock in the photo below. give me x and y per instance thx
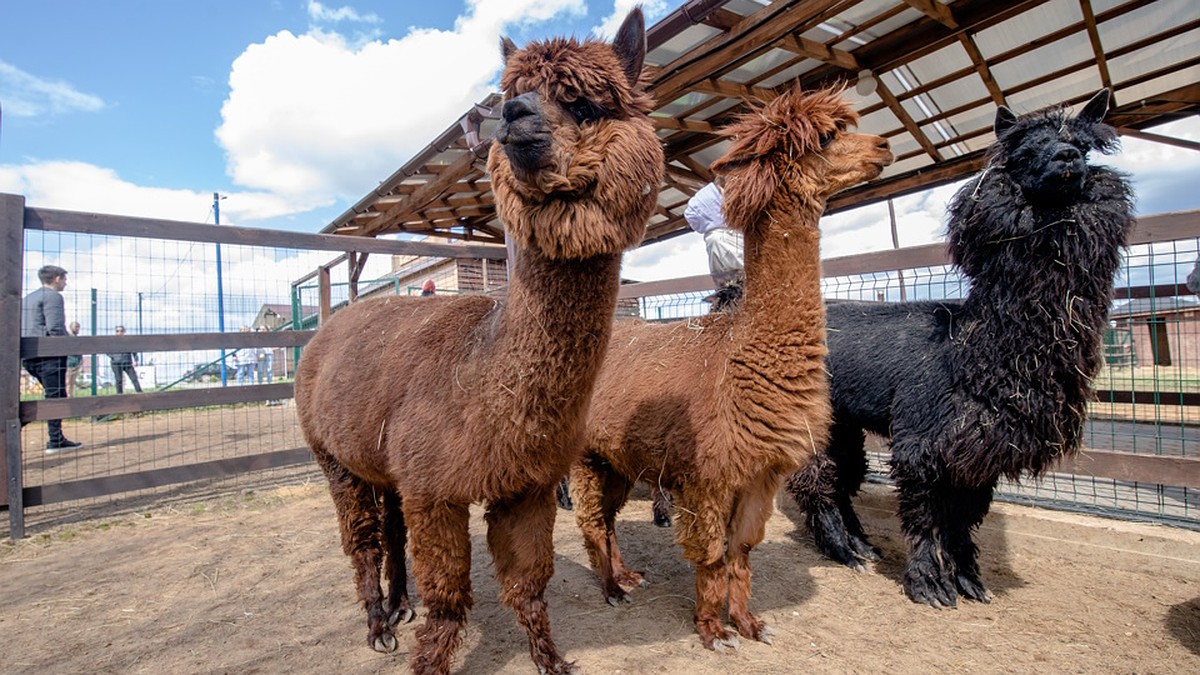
(254, 583)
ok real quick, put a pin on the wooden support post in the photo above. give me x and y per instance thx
(325, 296)
(12, 250)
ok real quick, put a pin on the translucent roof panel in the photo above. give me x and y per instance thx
(788, 74)
(880, 122)
(686, 102)
(1076, 85)
(949, 59)
(955, 94)
(1149, 20)
(903, 18)
(751, 69)
(1156, 57)
(1018, 30)
(973, 120)
(1073, 49)
(677, 46)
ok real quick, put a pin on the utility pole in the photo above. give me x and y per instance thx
(220, 289)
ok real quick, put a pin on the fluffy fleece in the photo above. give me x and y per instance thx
(995, 385)
(416, 409)
(719, 410)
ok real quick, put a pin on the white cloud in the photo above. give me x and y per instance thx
(27, 95)
(78, 186)
(319, 12)
(621, 8)
(312, 117)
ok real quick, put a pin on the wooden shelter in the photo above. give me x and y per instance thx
(926, 74)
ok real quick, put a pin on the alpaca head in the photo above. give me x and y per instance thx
(797, 145)
(576, 165)
(1045, 152)
(1038, 193)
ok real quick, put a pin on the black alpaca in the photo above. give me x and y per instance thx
(994, 385)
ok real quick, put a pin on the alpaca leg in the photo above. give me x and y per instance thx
(563, 493)
(441, 552)
(752, 508)
(700, 530)
(929, 576)
(970, 506)
(823, 489)
(359, 523)
(661, 504)
(600, 493)
(847, 450)
(395, 536)
(520, 537)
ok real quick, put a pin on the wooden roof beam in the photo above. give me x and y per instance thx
(909, 123)
(423, 195)
(755, 32)
(936, 11)
(815, 50)
(1089, 18)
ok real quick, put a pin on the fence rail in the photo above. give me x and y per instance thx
(1160, 455)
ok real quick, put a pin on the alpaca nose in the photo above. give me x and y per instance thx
(1068, 154)
(521, 106)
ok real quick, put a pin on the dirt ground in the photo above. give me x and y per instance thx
(257, 584)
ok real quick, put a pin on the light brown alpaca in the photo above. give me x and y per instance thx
(719, 410)
(417, 408)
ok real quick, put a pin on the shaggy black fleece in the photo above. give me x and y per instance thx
(995, 385)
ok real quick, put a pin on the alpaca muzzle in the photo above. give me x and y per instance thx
(1068, 165)
(524, 134)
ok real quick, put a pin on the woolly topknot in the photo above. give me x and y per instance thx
(790, 125)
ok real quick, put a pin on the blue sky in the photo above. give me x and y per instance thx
(296, 109)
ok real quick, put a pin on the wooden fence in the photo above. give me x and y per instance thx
(16, 218)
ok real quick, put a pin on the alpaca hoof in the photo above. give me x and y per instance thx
(766, 635)
(857, 566)
(385, 643)
(401, 615)
(616, 601)
(560, 668)
(728, 642)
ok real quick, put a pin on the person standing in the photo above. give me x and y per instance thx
(266, 360)
(123, 364)
(247, 362)
(725, 246)
(73, 362)
(43, 313)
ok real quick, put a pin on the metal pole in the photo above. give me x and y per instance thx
(220, 289)
(139, 356)
(95, 331)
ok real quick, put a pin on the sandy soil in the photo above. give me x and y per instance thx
(257, 583)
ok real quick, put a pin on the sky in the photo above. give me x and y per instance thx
(295, 109)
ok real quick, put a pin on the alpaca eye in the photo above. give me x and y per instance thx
(584, 110)
(826, 138)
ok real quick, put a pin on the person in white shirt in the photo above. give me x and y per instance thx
(725, 246)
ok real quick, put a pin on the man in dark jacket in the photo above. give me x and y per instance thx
(122, 364)
(43, 313)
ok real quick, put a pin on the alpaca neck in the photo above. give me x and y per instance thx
(783, 275)
(554, 327)
(775, 363)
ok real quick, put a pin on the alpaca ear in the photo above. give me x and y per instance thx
(630, 45)
(507, 49)
(1097, 108)
(1005, 118)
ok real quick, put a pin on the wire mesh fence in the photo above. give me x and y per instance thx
(1147, 386)
(238, 422)
(188, 387)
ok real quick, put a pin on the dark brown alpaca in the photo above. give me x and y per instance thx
(416, 409)
(718, 410)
